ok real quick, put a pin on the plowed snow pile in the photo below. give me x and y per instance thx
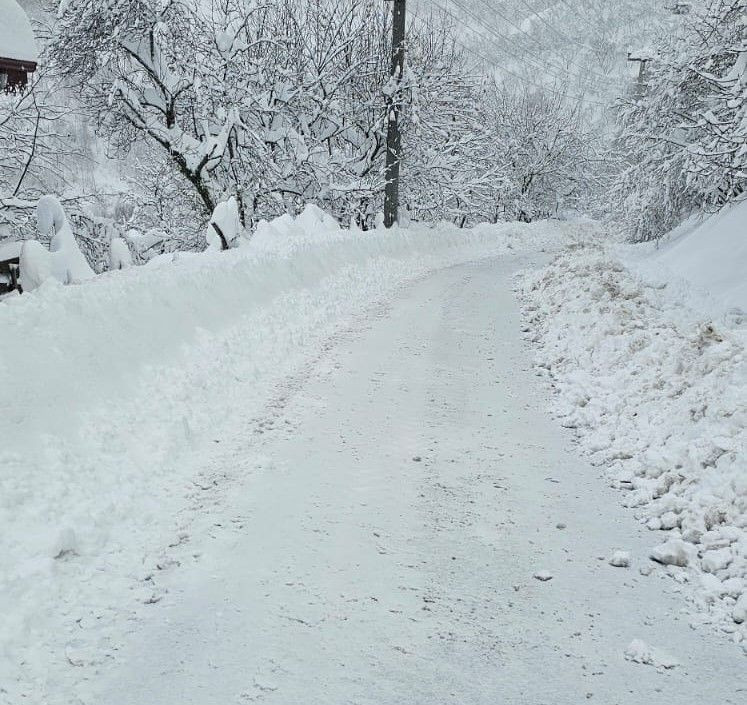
(657, 395)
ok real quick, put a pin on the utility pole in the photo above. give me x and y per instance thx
(641, 58)
(393, 134)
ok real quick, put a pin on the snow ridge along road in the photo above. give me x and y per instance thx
(389, 512)
(656, 392)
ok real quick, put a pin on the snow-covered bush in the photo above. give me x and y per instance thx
(225, 230)
(64, 261)
(146, 246)
(35, 265)
(119, 254)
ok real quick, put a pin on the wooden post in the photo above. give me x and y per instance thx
(393, 134)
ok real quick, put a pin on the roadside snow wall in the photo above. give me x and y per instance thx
(704, 262)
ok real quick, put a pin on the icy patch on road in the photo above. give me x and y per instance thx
(657, 395)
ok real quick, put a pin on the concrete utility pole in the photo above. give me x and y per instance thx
(641, 58)
(393, 135)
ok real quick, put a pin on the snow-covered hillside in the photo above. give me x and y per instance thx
(704, 261)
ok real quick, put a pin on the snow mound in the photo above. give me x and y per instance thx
(225, 226)
(656, 392)
(640, 652)
(704, 261)
(64, 261)
(119, 254)
(286, 234)
(35, 264)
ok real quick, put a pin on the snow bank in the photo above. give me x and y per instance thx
(284, 234)
(657, 394)
(703, 261)
(118, 389)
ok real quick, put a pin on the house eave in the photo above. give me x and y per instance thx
(17, 65)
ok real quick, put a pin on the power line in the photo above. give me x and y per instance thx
(552, 27)
(538, 61)
(491, 8)
(523, 79)
(513, 74)
(576, 12)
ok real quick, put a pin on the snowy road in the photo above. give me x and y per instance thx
(397, 502)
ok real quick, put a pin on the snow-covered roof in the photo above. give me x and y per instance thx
(16, 36)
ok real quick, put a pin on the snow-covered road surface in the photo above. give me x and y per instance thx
(395, 503)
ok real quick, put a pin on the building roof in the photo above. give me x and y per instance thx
(17, 41)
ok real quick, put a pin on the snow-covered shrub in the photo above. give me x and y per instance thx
(146, 245)
(225, 230)
(35, 265)
(68, 264)
(119, 254)
(50, 217)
